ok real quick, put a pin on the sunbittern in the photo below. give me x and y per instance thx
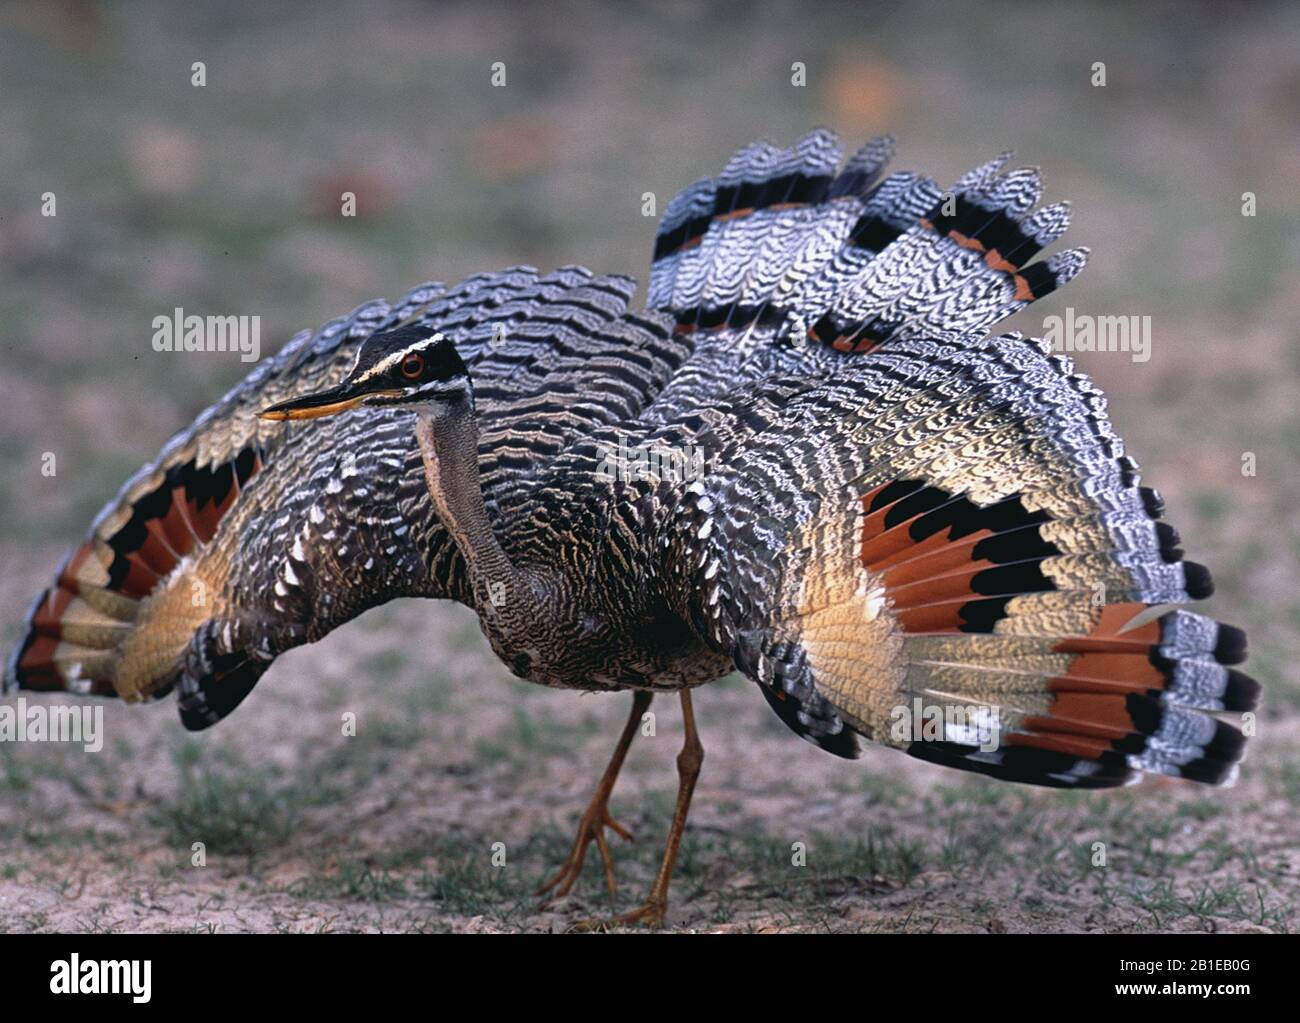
(807, 460)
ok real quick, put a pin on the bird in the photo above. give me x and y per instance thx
(809, 458)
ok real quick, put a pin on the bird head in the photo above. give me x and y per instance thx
(409, 367)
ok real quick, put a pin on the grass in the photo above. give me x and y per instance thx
(531, 737)
(228, 806)
(973, 867)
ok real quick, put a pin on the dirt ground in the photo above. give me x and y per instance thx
(306, 829)
(461, 788)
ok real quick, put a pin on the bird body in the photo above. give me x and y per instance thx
(809, 459)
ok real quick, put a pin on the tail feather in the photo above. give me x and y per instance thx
(771, 211)
(780, 237)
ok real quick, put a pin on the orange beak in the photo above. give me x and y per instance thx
(325, 403)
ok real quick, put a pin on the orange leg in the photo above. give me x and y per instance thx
(597, 817)
(689, 760)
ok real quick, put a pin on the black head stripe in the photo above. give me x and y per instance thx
(382, 356)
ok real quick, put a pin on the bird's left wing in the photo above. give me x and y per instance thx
(909, 530)
(945, 549)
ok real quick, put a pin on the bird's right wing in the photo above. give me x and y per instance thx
(245, 538)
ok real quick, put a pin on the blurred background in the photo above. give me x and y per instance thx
(225, 199)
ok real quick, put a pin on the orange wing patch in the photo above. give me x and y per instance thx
(947, 564)
(77, 630)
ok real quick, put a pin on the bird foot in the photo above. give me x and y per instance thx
(650, 915)
(590, 829)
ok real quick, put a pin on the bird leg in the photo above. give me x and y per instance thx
(597, 816)
(651, 912)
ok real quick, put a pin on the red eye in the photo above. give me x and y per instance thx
(412, 366)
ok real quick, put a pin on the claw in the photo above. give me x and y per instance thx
(652, 912)
(589, 830)
(597, 817)
(649, 915)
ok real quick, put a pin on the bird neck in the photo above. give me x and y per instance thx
(503, 594)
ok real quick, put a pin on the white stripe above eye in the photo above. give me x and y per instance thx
(389, 361)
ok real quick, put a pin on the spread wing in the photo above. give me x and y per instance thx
(244, 538)
(899, 508)
(958, 525)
